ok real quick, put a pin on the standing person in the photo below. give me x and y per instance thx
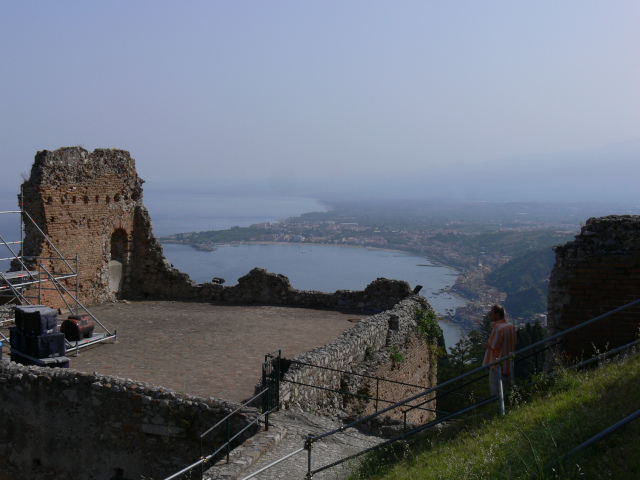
(502, 342)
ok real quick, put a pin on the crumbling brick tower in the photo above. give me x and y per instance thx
(90, 204)
(594, 274)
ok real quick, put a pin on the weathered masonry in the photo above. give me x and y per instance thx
(64, 424)
(392, 330)
(597, 272)
(90, 204)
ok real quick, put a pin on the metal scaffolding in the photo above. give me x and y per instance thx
(27, 277)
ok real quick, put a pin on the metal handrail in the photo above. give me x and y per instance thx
(484, 367)
(604, 355)
(267, 467)
(232, 413)
(545, 341)
(601, 436)
(407, 434)
(453, 392)
(356, 395)
(354, 374)
(202, 460)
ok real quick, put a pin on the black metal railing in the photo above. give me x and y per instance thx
(544, 344)
(269, 398)
(376, 398)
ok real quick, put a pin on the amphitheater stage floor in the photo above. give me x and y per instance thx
(203, 349)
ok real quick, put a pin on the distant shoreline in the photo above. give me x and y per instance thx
(434, 263)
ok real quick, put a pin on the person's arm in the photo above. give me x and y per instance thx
(495, 339)
(489, 344)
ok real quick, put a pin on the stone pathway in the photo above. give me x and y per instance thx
(204, 349)
(287, 433)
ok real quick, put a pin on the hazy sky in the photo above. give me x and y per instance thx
(291, 89)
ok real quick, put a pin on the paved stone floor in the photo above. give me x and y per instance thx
(287, 435)
(204, 349)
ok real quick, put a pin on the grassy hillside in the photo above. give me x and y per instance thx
(542, 424)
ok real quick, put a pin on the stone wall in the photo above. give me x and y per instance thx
(86, 203)
(416, 365)
(90, 204)
(364, 349)
(594, 274)
(262, 287)
(64, 424)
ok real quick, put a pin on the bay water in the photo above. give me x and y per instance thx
(325, 268)
(308, 266)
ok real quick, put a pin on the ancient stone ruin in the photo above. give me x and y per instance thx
(90, 204)
(597, 272)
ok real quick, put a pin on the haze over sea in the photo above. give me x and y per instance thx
(308, 267)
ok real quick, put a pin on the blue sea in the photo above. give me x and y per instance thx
(308, 267)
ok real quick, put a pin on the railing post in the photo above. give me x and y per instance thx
(39, 282)
(307, 447)
(277, 380)
(266, 421)
(377, 392)
(265, 396)
(500, 390)
(228, 438)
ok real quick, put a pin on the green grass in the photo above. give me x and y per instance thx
(541, 425)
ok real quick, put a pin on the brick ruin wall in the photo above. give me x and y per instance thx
(365, 350)
(597, 272)
(63, 424)
(90, 204)
(83, 202)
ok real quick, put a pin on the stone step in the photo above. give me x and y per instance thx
(246, 455)
(287, 435)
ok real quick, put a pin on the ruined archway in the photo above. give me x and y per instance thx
(118, 261)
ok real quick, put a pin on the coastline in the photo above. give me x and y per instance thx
(449, 318)
(461, 334)
(435, 263)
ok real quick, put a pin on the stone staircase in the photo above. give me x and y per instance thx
(287, 433)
